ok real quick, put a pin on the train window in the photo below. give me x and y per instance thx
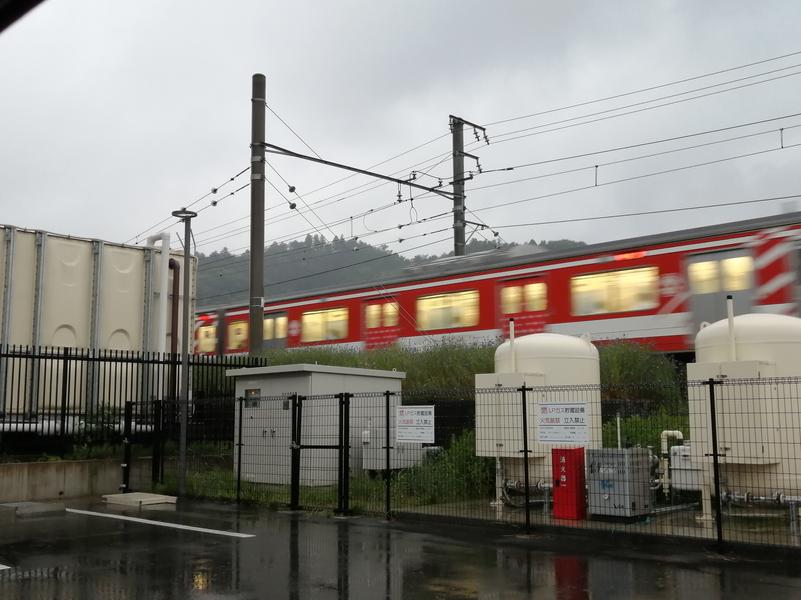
(274, 327)
(384, 314)
(280, 327)
(322, 325)
(269, 328)
(511, 299)
(616, 291)
(704, 278)
(448, 311)
(237, 335)
(518, 298)
(207, 338)
(536, 298)
(737, 273)
(373, 316)
(391, 311)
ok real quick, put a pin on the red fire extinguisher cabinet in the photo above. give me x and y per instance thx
(567, 466)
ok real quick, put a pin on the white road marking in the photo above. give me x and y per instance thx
(4, 567)
(160, 523)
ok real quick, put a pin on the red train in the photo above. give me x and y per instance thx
(656, 289)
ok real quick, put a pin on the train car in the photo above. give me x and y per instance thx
(656, 289)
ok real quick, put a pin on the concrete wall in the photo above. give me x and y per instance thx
(20, 482)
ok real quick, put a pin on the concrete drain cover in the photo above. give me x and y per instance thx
(139, 499)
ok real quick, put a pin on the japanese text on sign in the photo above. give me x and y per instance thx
(562, 423)
(414, 424)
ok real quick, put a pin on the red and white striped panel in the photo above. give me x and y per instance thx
(773, 268)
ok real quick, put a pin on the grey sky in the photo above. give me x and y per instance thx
(114, 114)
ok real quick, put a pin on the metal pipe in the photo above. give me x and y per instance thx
(512, 344)
(617, 419)
(664, 457)
(161, 331)
(176, 296)
(746, 497)
(730, 316)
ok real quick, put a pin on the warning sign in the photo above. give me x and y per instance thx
(563, 423)
(414, 424)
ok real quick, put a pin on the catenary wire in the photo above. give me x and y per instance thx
(646, 89)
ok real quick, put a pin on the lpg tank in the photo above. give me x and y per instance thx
(563, 359)
(768, 338)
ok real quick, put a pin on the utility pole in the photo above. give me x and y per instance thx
(457, 133)
(256, 328)
(186, 332)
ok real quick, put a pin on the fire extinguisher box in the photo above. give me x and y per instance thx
(569, 501)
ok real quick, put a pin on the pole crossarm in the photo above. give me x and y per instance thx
(273, 149)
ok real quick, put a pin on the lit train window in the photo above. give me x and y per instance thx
(448, 311)
(373, 316)
(616, 291)
(207, 338)
(737, 273)
(391, 311)
(237, 335)
(704, 278)
(732, 274)
(274, 327)
(536, 298)
(511, 299)
(280, 327)
(382, 314)
(518, 298)
(322, 325)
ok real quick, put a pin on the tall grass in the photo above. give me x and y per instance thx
(444, 366)
(624, 366)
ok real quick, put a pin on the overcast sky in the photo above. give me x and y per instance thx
(113, 114)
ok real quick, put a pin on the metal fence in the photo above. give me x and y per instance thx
(718, 461)
(68, 401)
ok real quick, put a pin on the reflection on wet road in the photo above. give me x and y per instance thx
(296, 556)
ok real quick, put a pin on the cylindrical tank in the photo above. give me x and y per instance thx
(563, 359)
(770, 338)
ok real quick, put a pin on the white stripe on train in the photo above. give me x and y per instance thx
(775, 284)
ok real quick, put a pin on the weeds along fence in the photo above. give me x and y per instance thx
(69, 401)
(714, 460)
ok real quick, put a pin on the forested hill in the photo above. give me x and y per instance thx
(313, 264)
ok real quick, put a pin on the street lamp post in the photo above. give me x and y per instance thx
(186, 216)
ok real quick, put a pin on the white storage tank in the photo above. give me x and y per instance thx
(759, 436)
(558, 413)
(567, 360)
(757, 337)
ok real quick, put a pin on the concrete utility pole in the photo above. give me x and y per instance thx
(457, 133)
(186, 333)
(256, 329)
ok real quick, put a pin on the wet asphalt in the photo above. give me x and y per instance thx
(78, 556)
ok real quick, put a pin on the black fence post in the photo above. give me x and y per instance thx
(715, 462)
(346, 454)
(526, 451)
(65, 386)
(294, 483)
(341, 415)
(239, 451)
(155, 465)
(387, 466)
(126, 446)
